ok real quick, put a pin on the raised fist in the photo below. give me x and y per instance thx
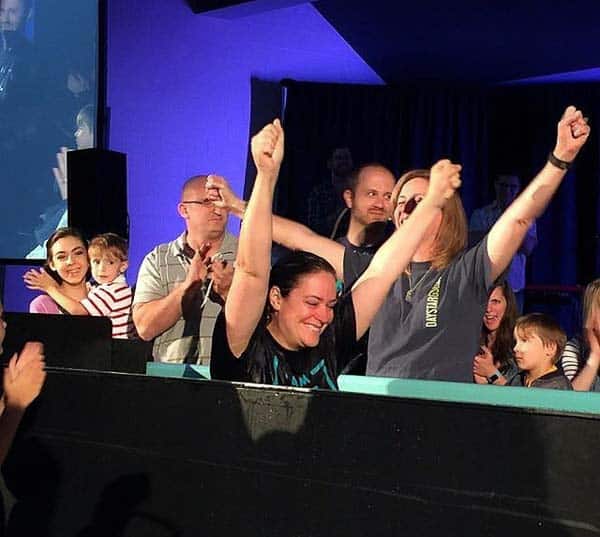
(443, 181)
(572, 132)
(267, 148)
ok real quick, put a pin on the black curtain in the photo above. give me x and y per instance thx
(507, 129)
(522, 133)
(401, 128)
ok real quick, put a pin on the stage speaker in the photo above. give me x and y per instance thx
(97, 192)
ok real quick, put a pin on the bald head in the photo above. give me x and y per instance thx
(368, 195)
(194, 184)
(204, 220)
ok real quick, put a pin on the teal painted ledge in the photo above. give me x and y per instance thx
(459, 392)
(188, 371)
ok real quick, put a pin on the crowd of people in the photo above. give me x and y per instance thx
(422, 302)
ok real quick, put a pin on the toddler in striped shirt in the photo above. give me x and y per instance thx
(112, 296)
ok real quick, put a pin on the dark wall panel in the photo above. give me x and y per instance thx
(105, 454)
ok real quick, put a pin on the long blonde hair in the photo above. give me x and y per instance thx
(451, 237)
(591, 299)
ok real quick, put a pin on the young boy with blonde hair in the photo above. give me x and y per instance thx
(539, 343)
(112, 296)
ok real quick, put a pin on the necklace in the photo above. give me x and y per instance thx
(412, 288)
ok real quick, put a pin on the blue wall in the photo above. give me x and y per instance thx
(179, 92)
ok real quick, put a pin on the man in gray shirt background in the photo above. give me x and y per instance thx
(182, 284)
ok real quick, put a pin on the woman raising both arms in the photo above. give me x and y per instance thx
(428, 326)
(286, 325)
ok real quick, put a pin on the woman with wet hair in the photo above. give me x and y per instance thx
(428, 325)
(286, 325)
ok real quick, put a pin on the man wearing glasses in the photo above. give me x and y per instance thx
(182, 284)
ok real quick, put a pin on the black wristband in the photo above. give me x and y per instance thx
(494, 377)
(562, 164)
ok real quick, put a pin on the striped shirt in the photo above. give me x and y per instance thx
(113, 300)
(571, 359)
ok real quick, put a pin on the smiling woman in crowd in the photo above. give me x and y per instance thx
(67, 262)
(286, 325)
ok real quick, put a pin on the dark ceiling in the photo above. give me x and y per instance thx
(455, 41)
(469, 40)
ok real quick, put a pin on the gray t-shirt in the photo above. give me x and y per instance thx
(435, 334)
(162, 270)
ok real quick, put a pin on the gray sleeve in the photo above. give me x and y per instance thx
(475, 267)
(149, 284)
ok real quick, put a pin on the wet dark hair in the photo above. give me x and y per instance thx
(288, 270)
(60, 233)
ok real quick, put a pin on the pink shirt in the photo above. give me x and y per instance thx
(43, 304)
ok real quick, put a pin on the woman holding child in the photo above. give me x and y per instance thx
(66, 269)
(286, 325)
(110, 298)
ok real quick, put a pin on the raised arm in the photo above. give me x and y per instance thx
(40, 280)
(393, 256)
(510, 229)
(248, 293)
(286, 232)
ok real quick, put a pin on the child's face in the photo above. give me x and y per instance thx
(106, 267)
(531, 353)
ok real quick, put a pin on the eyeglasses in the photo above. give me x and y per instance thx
(203, 203)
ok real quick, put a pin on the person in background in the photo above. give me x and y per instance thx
(67, 264)
(56, 216)
(507, 188)
(182, 284)
(581, 358)
(22, 381)
(368, 198)
(110, 298)
(325, 201)
(539, 344)
(495, 363)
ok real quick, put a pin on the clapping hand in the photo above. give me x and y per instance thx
(24, 376)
